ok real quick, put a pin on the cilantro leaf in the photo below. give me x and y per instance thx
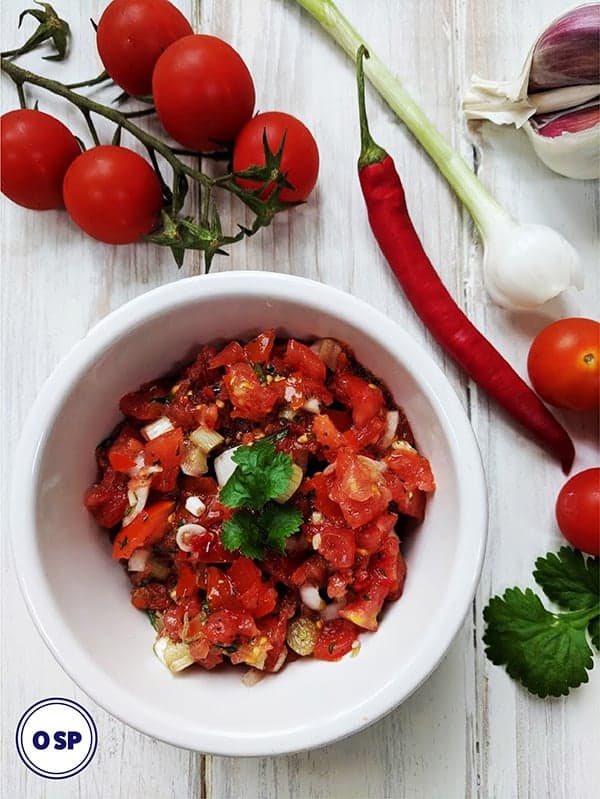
(262, 474)
(281, 521)
(594, 631)
(243, 532)
(569, 579)
(547, 652)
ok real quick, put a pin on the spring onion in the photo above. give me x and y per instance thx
(524, 265)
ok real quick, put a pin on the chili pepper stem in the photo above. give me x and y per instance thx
(370, 151)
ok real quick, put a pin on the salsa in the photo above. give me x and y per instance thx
(257, 498)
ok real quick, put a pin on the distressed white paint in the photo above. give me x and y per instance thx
(469, 731)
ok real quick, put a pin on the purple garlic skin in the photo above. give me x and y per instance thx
(568, 52)
(552, 125)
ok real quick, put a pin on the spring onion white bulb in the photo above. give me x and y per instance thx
(506, 278)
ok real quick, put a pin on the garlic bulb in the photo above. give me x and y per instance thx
(556, 98)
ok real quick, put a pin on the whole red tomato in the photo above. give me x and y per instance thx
(36, 152)
(299, 160)
(113, 194)
(131, 36)
(564, 364)
(578, 511)
(203, 92)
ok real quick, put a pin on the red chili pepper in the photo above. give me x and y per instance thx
(398, 240)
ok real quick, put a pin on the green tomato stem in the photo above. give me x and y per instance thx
(480, 204)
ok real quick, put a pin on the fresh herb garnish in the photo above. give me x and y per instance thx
(153, 616)
(548, 652)
(262, 474)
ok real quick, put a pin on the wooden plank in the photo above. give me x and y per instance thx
(56, 283)
(426, 743)
(528, 747)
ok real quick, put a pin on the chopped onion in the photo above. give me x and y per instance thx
(138, 496)
(372, 464)
(328, 350)
(137, 562)
(280, 660)
(312, 405)
(206, 439)
(224, 466)
(194, 461)
(291, 393)
(176, 657)
(332, 611)
(316, 541)
(185, 533)
(195, 506)
(287, 412)
(252, 676)
(391, 425)
(310, 596)
(157, 428)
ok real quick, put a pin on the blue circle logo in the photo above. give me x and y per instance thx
(56, 738)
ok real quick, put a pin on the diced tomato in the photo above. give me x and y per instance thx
(301, 358)
(370, 538)
(326, 432)
(313, 571)
(186, 584)
(209, 661)
(147, 528)
(412, 468)
(365, 399)
(409, 502)
(207, 548)
(230, 354)
(337, 545)
(199, 486)
(280, 567)
(153, 596)
(341, 419)
(321, 484)
(207, 415)
(125, 449)
(259, 349)
(338, 583)
(224, 626)
(363, 610)
(147, 403)
(167, 451)
(335, 640)
(182, 406)
(254, 595)
(384, 563)
(107, 500)
(220, 591)
(249, 397)
(369, 433)
(359, 488)
(397, 589)
(275, 629)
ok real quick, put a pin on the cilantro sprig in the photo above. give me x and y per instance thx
(547, 651)
(262, 474)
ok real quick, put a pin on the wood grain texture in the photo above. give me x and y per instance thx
(469, 731)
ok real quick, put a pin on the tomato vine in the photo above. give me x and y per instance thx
(178, 231)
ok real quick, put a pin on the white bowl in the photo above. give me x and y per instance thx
(79, 598)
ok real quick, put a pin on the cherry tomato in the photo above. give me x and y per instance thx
(36, 152)
(299, 160)
(203, 92)
(131, 36)
(578, 511)
(113, 194)
(564, 364)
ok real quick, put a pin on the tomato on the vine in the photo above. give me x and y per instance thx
(203, 92)
(131, 36)
(564, 364)
(36, 152)
(578, 511)
(299, 159)
(113, 194)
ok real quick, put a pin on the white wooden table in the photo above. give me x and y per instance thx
(469, 731)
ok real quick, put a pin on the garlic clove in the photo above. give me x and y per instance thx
(566, 54)
(574, 120)
(527, 265)
(572, 154)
